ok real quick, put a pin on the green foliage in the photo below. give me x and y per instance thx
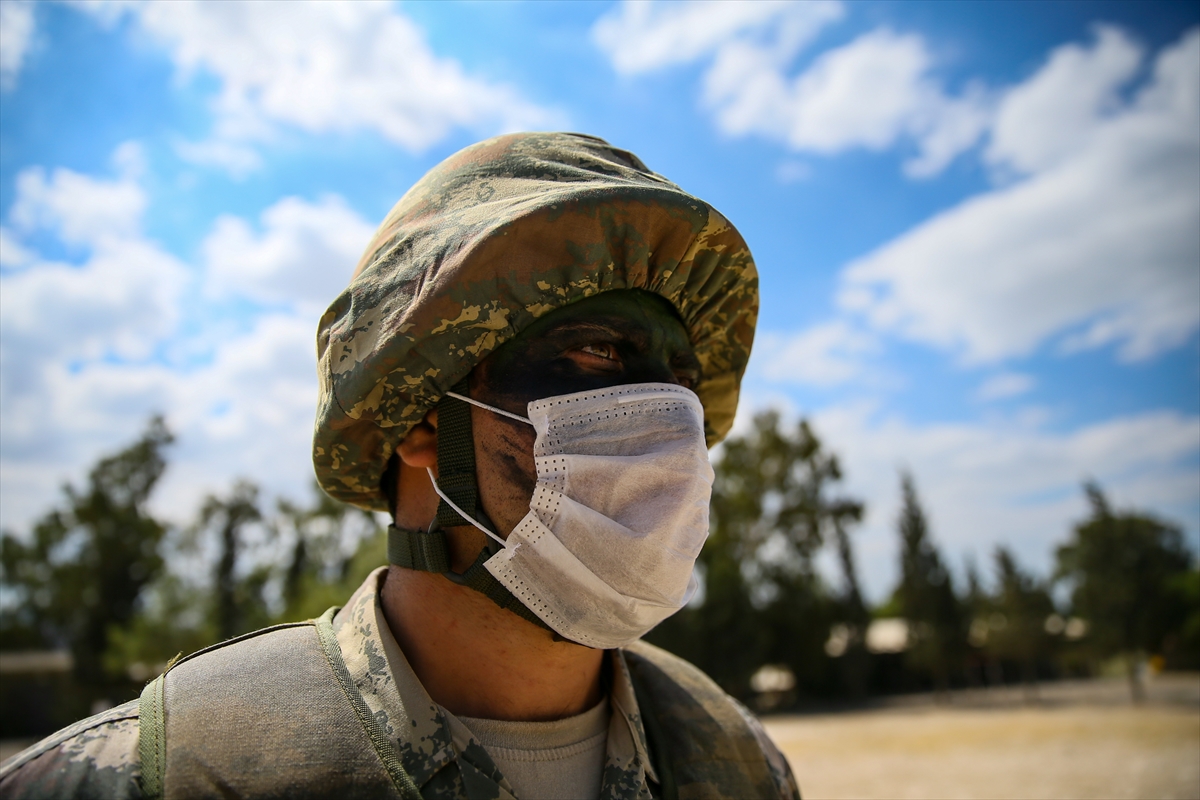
(330, 548)
(1182, 647)
(125, 593)
(82, 571)
(234, 596)
(1121, 568)
(763, 601)
(1019, 610)
(926, 597)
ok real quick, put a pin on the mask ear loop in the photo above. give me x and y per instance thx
(461, 513)
(485, 406)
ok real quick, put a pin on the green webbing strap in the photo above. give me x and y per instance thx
(456, 459)
(423, 550)
(384, 745)
(478, 578)
(152, 738)
(426, 551)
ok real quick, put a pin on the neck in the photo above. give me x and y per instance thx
(477, 660)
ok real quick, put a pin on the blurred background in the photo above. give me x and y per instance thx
(959, 514)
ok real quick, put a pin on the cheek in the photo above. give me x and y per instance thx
(516, 465)
(505, 470)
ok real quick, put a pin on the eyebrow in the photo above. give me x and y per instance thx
(587, 326)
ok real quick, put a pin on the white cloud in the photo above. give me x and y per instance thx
(793, 172)
(12, 253)
(322, 67)
(248, 412)
(1100, 244)
(1046, 119)
(643, 36)
(868, 93)
(90, 350)
(1005, 482)
(17, 29)
(823, 355)
(1005, 385)
(81, 209)
(871, 93)
(304, 255)
(236, 158)
(119, 302)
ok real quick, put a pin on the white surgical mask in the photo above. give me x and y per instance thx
(619, 513)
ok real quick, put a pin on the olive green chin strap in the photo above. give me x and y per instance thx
(427, 550)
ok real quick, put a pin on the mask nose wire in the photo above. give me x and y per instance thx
(500, 411)
(461, 513)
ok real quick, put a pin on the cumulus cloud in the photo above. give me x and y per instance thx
(90, 349)
(304, 254)
(118, 302)
(246, 411)
(641, 36)
(1005, 385)
(17, 29)
(1049, 117)
(824, 355)
(870, 93)
(1096, 246)
(12, 253)
(80, 209)
(1005, 482)
(322, 67)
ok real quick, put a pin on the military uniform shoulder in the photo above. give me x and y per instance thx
(777, 763)
(697, 722)
(94, 758)
(247, 643)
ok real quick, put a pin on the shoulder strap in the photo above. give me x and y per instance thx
(152, 738)
(384, 746)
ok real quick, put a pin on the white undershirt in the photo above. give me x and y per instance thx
(559, 760)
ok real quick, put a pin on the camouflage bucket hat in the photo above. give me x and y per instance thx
(491, 239)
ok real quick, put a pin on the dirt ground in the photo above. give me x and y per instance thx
(1076, 740)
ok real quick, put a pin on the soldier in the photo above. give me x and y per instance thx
(535, 352)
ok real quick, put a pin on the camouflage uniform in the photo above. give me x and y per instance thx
(238, 723)
(492, 239)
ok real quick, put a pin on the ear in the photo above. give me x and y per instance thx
(419, 447)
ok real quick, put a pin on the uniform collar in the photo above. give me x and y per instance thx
(428, 741)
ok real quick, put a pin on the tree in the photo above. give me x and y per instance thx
(233, 595)
(771, 512)
(937, 635)
(87, 562)
(333, 547)
(1122, 569)
(1021, 607)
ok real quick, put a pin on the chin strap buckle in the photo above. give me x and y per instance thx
(415, 549)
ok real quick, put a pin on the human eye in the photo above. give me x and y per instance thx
(604, 350)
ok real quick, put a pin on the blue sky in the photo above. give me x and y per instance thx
(977, 226)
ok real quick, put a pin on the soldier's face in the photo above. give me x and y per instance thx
(611, 339)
